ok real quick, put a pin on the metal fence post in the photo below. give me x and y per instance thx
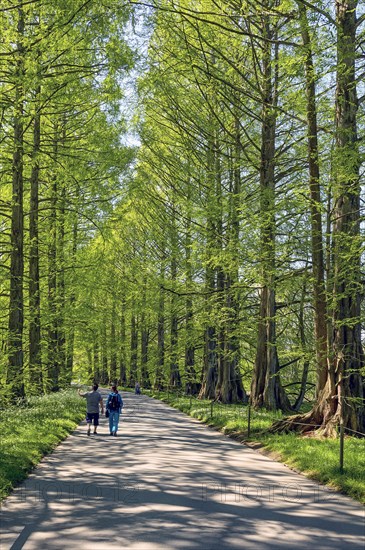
(342, 438)
(211, 409)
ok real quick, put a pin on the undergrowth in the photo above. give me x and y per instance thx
(32, 430)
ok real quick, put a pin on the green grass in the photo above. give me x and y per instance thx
(318, 458)
(31, 431)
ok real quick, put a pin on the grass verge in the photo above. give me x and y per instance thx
(318, 458)
(33, 430)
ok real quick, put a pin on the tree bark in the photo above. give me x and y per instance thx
(96, 359)
(210, 364)
(52, 359)
(104, 379)
(175, 377)
(35, 358)
(122, 345)
(15, 375)
(159, 380)
(113, 347)
(342, 398)
(61, 286)
(133, 375)
(232, 387)
(72, 300)
(266, 389)
(319, 289)
(191, 386)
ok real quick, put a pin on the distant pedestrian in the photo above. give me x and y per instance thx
(114, 405)
(94, 402)
(137, 389)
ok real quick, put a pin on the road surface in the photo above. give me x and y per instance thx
(169, 482)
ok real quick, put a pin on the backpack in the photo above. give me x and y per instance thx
(114, 402)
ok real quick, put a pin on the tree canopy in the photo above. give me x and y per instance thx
(212, 240)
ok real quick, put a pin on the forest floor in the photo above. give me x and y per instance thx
(170, 482)
(33, 429)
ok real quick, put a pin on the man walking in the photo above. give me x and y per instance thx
(94, 400)
(114, 405)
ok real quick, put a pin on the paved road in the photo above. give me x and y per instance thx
(168, 482)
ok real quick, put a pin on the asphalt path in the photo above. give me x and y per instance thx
(169, 482)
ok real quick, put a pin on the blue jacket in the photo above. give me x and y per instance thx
(120, 401)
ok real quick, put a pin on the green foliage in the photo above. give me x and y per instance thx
(32, 430)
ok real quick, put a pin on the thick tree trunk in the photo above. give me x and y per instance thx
(191, 384)
(70, 343)
(303, 342)
(14, 378)
(210, 364)
(52, 359)
(342, 398)
(319, 289)
(266, 389)
(61, 288)
(35, 359)
(209, 382)
(232, 389)
(345, 384)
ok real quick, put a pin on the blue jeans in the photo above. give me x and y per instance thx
(113, 421)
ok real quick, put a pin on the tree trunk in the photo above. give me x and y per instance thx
(175, 378)
(61, 288)
(191, 385)
(35, 359)
(113, 347)
(133, 374)
(342, 399)
(122, 345)
(71, 332)
(14, 378)
(232, 387)
(52, 359)
(104, 356)
(159, 381)
(145, 337)
(210, 364)
(266, 389)
(319, 289)
(303, 341)
(96, 360)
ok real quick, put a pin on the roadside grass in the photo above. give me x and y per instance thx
(318, 458)
(30, 431)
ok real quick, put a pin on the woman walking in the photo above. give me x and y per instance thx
(114, 405)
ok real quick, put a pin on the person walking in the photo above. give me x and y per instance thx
(94, 401)
(137, 389)
(114, 405)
